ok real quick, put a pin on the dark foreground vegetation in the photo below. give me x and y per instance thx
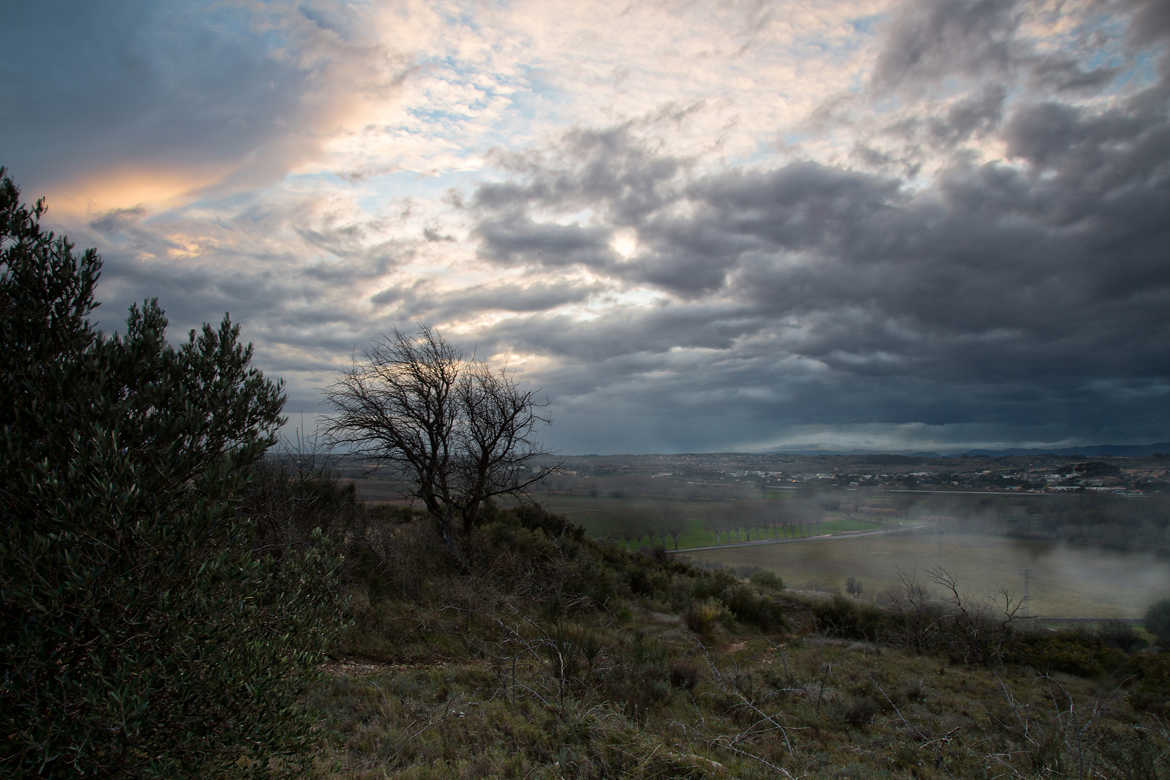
(160, 609)
(556, 655)
(176, 604)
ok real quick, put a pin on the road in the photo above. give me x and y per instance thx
(819, 538)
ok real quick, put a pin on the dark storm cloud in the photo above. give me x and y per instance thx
(1005, 295)
(519, 240)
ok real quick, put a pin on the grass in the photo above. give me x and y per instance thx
(602, 516)
(556, 656)
(1061, 581)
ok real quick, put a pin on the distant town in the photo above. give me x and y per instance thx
(1127, 476)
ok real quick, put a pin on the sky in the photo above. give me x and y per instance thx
(835, 224)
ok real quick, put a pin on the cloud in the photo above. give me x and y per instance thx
(931, 39)
(203, 95)
(610, 170)
(700, 226)
(1150, 23)
(984, 298)
(520, 240)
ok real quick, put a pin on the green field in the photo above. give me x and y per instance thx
(1062, 581)
(603, 516)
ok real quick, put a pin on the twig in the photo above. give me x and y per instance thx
(748, 702)
(730, 745)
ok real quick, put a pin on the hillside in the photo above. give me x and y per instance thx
(556, 656)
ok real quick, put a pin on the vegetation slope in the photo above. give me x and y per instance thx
(555, 655)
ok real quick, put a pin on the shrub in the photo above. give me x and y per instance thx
(643, 681)
(767, 579)
(684, 675)
(714, 584)
(1119, 635)
(535, 517)
(749, 606)
(149, 626)
(844, 618)
(861, 711)
(1153, 680)
(1157, 621)
(702, 616)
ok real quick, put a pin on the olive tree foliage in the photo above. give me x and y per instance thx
(462, 432)
(1157, 621)
(143, 630)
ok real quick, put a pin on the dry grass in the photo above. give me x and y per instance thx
(502, 674)
(758, 707)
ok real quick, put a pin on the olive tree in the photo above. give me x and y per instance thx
(145, 632)
(462, 432)
(1157, 621)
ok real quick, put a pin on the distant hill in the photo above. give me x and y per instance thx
(1092, 450)
(1088, 450)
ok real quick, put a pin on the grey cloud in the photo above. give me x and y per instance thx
(1151, 21)
(422, 302)
(1064, 74)
(1031, 293)
(434, 235)
(340, 241)
(117, 219)
(607, 168)
(930, 39)
(630, 339)
(975, 115)
(1104, 169)
(520, 240)
(161, 86)
(1004, 296)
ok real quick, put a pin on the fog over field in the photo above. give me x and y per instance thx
(1059, 580)
(1079, 537)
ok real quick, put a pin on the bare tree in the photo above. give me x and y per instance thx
(460, 430)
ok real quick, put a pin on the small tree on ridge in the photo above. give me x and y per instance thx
(461, 431)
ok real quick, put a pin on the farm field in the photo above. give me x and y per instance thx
(1062, 581)
(605, 517)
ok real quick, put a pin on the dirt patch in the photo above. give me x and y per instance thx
(353, 667)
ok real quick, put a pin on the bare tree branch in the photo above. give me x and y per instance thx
(464, 432)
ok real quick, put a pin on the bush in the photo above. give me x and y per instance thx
(1157, 621)
(848, 619)
(749, 606)
(149, 628)
(861, 711)
(767, 579)
(702, 616)
(684, 675)
(1121, 636)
